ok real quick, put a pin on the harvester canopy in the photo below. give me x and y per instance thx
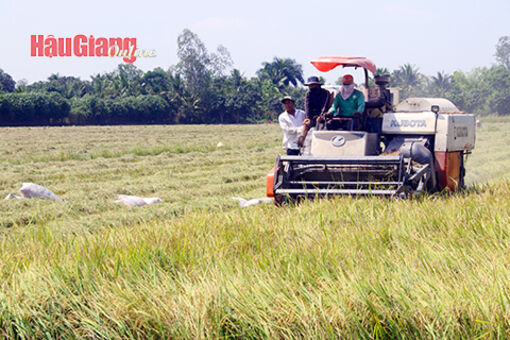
(325, 64)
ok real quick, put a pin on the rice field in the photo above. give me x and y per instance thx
(88, 166)
(199, 266)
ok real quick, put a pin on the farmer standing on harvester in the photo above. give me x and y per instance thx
(291, 122)
(317, 101)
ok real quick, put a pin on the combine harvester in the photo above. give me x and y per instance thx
(417, 145)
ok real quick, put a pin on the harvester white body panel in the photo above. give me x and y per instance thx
(423, 123)
(455, 132)
(419, 105)
(344, 143)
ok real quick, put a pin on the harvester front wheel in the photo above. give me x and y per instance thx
(405, 193)
(278, 200)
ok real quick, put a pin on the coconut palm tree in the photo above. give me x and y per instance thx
(382, 70)
(440, 84)
(408, 78)
(282, 72)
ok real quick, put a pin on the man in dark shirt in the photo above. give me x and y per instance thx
(317, 101)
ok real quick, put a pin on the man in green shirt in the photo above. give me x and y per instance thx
(348, 103)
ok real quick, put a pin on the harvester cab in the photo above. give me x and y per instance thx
(402, 150)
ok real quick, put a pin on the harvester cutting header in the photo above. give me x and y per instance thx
(399, 149)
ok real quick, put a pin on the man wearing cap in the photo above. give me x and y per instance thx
(317, 101)
(348, 103)
(291, 122)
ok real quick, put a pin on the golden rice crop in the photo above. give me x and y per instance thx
(198, 266)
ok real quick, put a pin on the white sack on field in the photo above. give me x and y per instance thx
(134, 201)
(245, 203)
(31, 190)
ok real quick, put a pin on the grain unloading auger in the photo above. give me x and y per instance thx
(418, 145)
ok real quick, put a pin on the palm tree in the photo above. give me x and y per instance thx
(440, 84)
(382, 70)
(187, 104)
(98, 83)
(282, 72)
(408, 78)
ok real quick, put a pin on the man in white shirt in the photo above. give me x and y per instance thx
(291, 122)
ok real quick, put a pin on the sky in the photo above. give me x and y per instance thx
(433, 35)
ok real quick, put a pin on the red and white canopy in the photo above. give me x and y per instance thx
(325, 64)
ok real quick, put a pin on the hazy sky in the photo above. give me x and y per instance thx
(434, 35)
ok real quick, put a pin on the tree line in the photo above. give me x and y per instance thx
(204, 88)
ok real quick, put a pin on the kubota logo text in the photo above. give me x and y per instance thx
(408, 123)
(83, 46)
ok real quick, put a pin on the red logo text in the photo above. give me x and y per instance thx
(83, 46)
